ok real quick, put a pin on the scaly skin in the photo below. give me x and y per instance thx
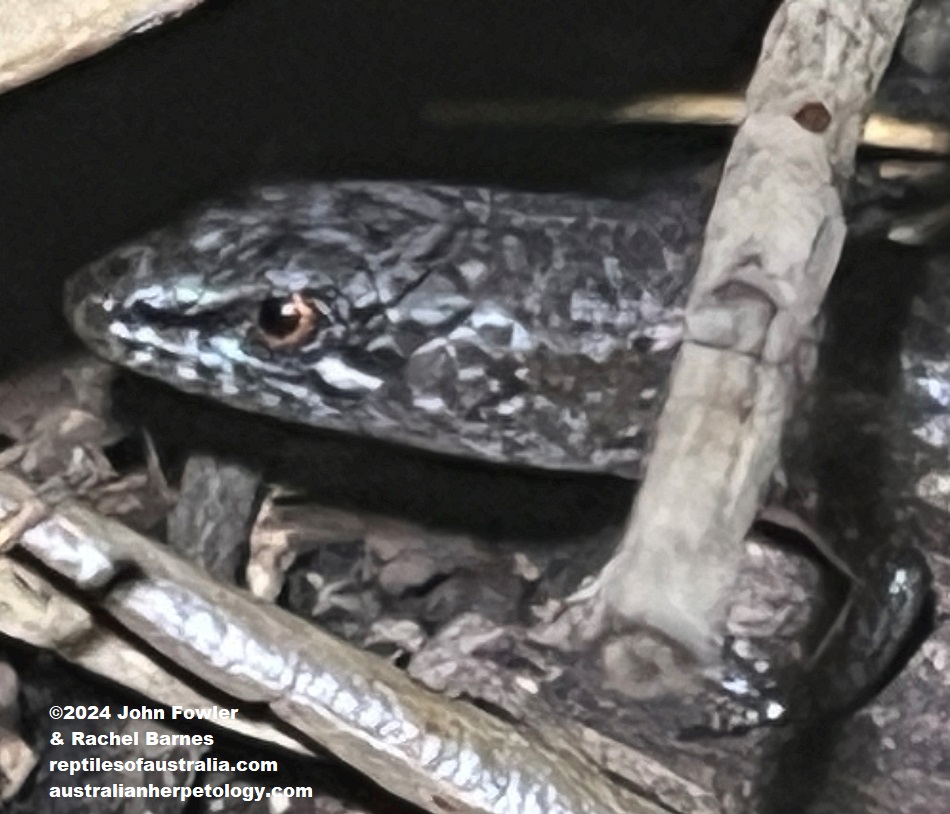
(514, 327)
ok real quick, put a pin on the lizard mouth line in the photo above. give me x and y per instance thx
(209, 319)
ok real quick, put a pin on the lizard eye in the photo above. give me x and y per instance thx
(289, 321)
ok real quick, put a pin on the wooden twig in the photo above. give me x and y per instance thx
(39, 38)
(436, 754)
(38, 613)
(772, 243)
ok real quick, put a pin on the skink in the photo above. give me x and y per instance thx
(511, 327)
(515, 327)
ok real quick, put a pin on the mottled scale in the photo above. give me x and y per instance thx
(511, 326)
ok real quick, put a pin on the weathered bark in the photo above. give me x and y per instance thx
(39, 614)
(39, 38)
(697, 778)
(436, 755)
(772, 243)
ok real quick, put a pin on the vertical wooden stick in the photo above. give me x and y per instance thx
(772, 243)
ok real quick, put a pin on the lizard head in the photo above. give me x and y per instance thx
(276, 299)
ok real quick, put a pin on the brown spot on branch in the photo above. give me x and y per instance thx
(814, 117)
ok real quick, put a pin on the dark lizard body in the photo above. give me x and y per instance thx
(533, 329)
(512, 327)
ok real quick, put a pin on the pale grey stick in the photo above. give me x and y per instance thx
(39, 38)
(438, 755)
(772, 242)
(39, 614)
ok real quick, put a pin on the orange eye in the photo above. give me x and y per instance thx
(288, 321)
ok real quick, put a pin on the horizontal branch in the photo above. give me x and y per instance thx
(39, 38)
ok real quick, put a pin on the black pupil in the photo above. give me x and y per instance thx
(278, 317)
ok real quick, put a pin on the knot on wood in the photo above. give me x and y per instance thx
(814, 117)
